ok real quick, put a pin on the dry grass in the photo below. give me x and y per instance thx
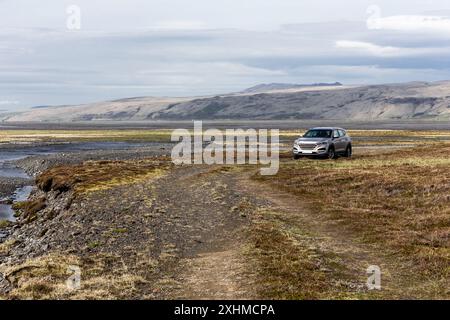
(6, 246)
(287, 269)
(28, 209)
(83, 135)
(399, 202)
(100, 175)
(45, 278)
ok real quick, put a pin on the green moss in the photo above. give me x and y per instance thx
(120, 230)
(93, 244)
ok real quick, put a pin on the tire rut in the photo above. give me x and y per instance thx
(200, 236)
(328, 237)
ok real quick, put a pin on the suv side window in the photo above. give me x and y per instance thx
(335, 134)
(342, 133)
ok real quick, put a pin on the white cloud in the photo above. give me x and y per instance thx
(220, 67)
(370, 74)
(411, 23)
(367, 47)
(387, 51)
(8, 102)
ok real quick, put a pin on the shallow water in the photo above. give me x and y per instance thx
(22, 194)
(9, 170)
(6, 213)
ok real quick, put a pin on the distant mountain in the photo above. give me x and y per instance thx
(414, 100)
(286, 86)
(40, 107)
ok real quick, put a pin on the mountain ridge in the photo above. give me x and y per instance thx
(413, 100)
(264, 87)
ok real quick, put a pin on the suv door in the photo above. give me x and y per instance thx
(344, 139)
(337, 141)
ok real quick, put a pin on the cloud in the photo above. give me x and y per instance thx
(411, 23)
(388, 51)
(368, 74)
(223, 68)
(8, 102)
(139, 47)
(370, 48)
(7, 105)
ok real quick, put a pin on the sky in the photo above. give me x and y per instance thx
(56, 52)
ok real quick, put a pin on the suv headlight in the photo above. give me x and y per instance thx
(323, 143)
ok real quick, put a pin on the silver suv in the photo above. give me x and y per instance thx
(324, 142)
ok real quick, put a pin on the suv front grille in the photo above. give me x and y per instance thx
(307, 146)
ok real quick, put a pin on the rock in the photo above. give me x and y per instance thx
(43, 232)
(5, 285)
(3, 235)
(6, 201)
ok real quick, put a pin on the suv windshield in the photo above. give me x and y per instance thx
(318, 134)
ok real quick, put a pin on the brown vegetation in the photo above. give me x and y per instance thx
(28, 209)
(398, 202)
(97, 175)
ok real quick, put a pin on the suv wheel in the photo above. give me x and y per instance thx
(348, 152)
(296, 156)
(331, 153)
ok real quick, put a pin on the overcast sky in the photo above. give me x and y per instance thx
(127, 48)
